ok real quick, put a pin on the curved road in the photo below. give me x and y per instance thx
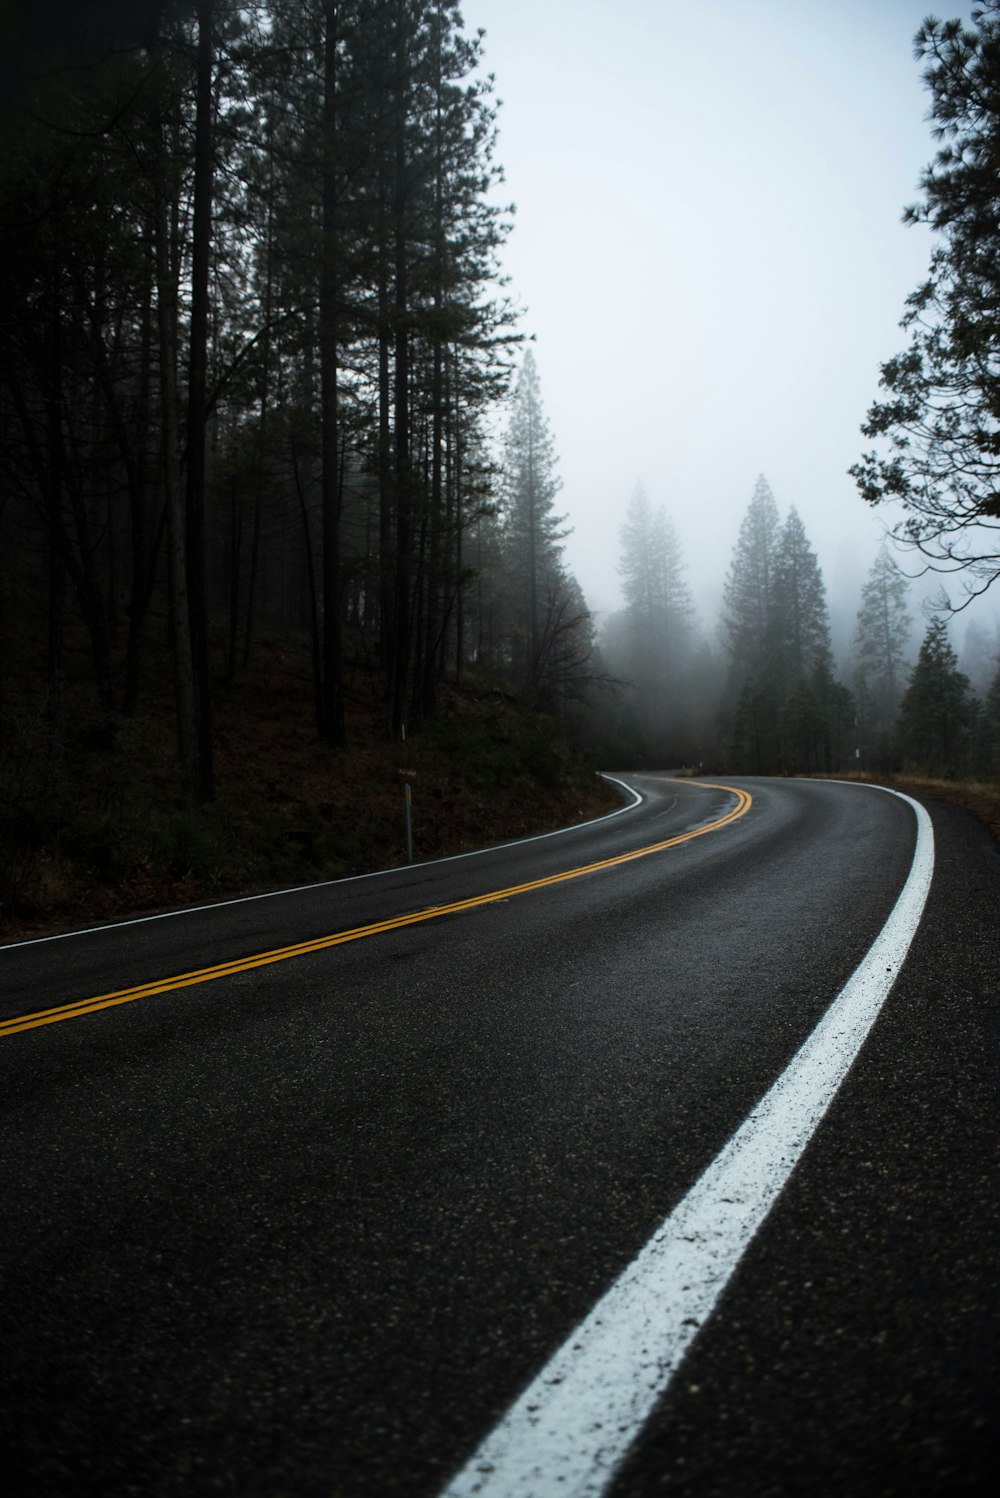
(309, 1225)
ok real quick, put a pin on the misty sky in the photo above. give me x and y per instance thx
(709, 249)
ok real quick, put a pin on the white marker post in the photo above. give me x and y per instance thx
(408, 802)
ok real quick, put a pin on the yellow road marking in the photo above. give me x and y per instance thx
(319, 944)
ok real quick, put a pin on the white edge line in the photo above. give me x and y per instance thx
(298, 889)
(571, 1429)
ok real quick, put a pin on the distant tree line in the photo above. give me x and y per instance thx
(251, 330)
(654, 647)
(769, 700)
(788, 711)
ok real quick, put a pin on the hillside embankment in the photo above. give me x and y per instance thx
(95, 829)
(98, 831)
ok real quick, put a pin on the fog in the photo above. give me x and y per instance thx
(709, 251)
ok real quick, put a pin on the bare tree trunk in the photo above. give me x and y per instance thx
(57, 567)
(180, 635)
(385, 487)
(84, 569)
(331, 725)
(400, 656)
(314, 629)
(252, 580)
(197, 404)
(235, 559)
(434, 600)
(428, 673)
(535, 642)
(141, 586)
(262, 422)
(459, 536)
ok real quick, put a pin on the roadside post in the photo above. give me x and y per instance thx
(407, 801)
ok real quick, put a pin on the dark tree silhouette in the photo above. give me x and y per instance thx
(940, 416)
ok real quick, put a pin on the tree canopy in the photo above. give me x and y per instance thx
(940, 416)
(250, 325)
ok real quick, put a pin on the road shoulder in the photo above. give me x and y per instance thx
(856, 1350)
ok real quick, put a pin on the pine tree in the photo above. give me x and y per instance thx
(673, 610)
(989, 759)
(658, 628)
(980, 655)
(880, 639)
(747, 603)
(379, 236)
(799, 671)
(748, 588)
(250, 254)
(657, 597)
(569, 648)
(532, 530)
(636, 566)
(798, 628)
(786, 709)
(937, 713)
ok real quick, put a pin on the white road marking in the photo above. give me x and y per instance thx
(298, 889)
(570, 1430)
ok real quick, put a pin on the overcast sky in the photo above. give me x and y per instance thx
(709, 248)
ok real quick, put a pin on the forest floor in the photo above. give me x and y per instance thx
(100, 833)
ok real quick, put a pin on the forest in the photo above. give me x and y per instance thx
(767, 695)
(274, 452)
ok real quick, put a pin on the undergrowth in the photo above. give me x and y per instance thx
(92, 829)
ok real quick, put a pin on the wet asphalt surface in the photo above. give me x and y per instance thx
(309, 1229)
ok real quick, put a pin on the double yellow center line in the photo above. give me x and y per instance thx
(320, 943)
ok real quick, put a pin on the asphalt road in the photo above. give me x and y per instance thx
(309, 1227)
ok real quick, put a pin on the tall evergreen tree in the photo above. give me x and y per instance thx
(980, 656)
(658, 628)
(673, 610)
(786, 709)
(533, 531)
(636, 568)
(880, 640)
(749, 584)
(569, 646)
(747, 711)
(798, 626)
(202, 198)
(937, 714)
(799, 671)
(989, 758)
(657, 597)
